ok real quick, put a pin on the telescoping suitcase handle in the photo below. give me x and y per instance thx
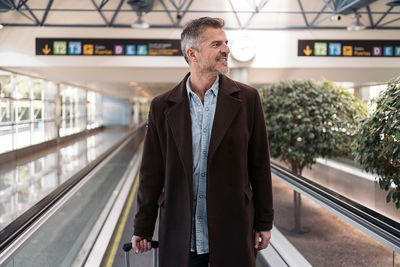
(128, 246)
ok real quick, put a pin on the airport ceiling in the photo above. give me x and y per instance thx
(171, 14)
(238, 14)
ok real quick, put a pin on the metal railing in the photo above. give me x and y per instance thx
(379, 227)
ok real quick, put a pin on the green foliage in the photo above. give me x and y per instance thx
(308, 119)
(377, 142)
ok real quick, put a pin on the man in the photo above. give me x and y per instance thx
(205, 163)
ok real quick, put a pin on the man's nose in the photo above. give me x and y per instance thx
(225, 49)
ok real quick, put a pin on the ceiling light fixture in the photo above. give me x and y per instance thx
(356, 25)
(1, 26)
(336, 17)
(140, 23)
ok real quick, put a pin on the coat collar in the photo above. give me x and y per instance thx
(179, 120)
(226, 85)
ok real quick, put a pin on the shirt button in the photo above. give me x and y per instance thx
(206, 109)
(204, 130)
(201, 196)
(203, 174)
(199, 217)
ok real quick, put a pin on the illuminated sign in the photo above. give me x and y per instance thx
(348, 48)
(107, 47)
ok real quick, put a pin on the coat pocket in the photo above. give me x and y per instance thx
(161, 200)
(248, 194)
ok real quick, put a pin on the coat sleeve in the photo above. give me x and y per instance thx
(151, 179)
(260, 170)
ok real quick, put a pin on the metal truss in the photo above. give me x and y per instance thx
(177, 9)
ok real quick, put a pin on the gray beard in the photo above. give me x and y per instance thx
(210, 70)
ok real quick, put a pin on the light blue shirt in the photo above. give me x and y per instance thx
(202, 121)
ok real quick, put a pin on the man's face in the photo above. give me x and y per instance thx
(214, 51)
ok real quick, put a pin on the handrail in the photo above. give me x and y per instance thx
(12, 231)
(378, 226)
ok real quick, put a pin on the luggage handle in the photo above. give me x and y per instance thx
(128, 246)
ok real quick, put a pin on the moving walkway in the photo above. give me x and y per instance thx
(95, 207)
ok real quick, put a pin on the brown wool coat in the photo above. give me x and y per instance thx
(239, 194)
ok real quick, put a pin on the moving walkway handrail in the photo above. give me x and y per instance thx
(380, 227)
(13, 230)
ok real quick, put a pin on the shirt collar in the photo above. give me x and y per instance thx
(214, 87)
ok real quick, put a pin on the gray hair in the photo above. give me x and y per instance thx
(191, 35)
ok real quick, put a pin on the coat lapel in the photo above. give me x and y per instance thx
(178, 118)
(227, 108)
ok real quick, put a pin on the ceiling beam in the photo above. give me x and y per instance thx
(327, 3)
(184, 2)
(174, 4)
(184, 12)
(342, 8)
(389, 22)
(257, 9)
(371, 21)
(302, 12)
(207, 11)
(98, 8)
(12, 4)
(103, 3)
(46, 12)
(315, 22)
(383, 16)
(319, 14)
(169, 13)
(21, 3)
(182, 7)
(229, 27)
(32, 14)
(115, 13)
(236, 14)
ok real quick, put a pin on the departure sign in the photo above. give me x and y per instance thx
(107, 47)
(348, 48)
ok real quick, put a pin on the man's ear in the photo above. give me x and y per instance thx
(191, 54)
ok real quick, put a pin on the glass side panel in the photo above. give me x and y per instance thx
(5, 111)
(323, 238)
(38, 133)
(50, 91)
(23, 135)
(23, 184)
(62, 236)
(23, 111)
(50, 130)
(37, 86)
(6, 138)
(6, 85)
(22, 87)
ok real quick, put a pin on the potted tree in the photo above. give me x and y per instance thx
(377, 143)
(307, 120)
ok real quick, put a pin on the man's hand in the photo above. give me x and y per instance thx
(261, 239)
(140, 244)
